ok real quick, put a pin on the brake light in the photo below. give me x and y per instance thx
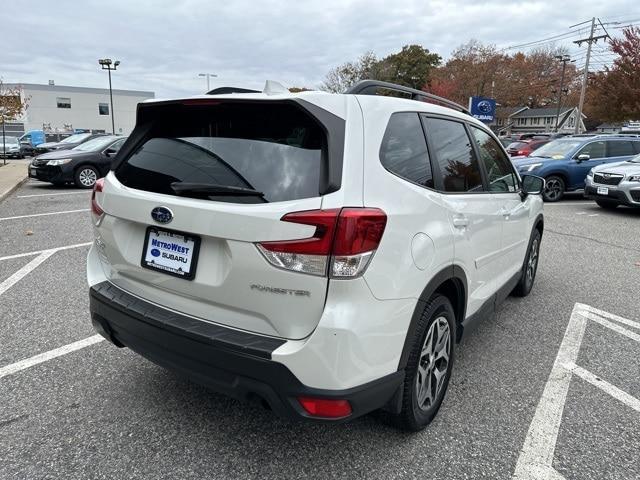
(95, 208)
(324, 407)
(344, 240)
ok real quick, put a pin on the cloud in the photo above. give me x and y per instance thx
(163, 45)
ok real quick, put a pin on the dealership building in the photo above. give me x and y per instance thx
(57, 108)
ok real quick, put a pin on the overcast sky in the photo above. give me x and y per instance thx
(163, 45)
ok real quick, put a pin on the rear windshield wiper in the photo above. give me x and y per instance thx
(184, 188)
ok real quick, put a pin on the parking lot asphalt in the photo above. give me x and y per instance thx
(103, 412)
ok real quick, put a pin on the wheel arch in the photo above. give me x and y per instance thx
(559, 173)
(450, 282)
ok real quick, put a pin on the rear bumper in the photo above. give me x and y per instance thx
(229, 361)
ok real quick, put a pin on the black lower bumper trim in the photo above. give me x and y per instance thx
(218, 358)
(613, 195)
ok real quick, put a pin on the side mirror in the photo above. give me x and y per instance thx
(583, 157)
(110, 152)
(532, 185)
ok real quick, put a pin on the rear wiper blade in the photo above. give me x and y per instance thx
(213, 189)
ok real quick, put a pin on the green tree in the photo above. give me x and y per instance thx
(348, 74)
(412, 66)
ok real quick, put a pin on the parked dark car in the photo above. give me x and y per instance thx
(66, 144)
(525, 147)
(82, 165)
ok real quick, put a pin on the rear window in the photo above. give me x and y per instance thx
(233, 152)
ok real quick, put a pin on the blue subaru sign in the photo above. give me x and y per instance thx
(484, 109)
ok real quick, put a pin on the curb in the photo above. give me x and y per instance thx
(13, 188)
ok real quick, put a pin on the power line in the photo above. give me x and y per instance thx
(551, 39)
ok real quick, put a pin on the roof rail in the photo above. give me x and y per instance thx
(371, 87)
(227, 90)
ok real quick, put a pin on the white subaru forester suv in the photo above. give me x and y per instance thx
(318, 253)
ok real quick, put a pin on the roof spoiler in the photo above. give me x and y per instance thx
(371, 87)
(228, 90)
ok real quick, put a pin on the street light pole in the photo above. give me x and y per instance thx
(208, 75)
(107, 64)
(4, 142)
(564, 59)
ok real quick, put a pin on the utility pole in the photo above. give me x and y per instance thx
(208, 75)
(107, 64)
(564, 59)
(4, 143)
(585, 74)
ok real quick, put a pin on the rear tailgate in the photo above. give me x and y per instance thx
(272, 148)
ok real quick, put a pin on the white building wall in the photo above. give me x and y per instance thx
(43, 109)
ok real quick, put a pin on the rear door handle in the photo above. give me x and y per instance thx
(460, 222)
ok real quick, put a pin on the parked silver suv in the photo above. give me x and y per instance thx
(615, 184)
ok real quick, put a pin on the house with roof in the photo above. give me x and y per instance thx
(517, 120)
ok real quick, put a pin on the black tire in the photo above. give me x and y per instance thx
(554, 188)
(414, 417)
(86, 176)
(530, 266)
(607, 204)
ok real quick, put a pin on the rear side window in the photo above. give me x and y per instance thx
(620, 148)
(452, 148)
(233, 152)
(404, 149)
(594, 150)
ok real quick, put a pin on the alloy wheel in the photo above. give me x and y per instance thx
(532, 263)
(553, 189)
(434, 363)
(87, 177)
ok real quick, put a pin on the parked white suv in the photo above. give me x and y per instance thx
(319, 253)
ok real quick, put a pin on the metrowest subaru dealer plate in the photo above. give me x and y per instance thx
(603, 190)
(170, 252)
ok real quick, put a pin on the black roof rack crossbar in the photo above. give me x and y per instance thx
(228, 90)
(371, 87)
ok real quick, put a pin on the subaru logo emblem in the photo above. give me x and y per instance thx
(162, 215)
(484, 106)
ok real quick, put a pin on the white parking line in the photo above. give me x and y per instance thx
(611, 316)
(53, 194)
(38, 252)
(605, 386)
(24, 271)
(51, 354)
(536, 457)
(613, 326)
(43, 214)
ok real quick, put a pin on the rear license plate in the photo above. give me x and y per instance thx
(603, 191)
(169, 252)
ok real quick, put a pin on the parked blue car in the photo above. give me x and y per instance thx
(565, 162)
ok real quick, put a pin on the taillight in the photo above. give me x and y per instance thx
(342, 245)
(96, 211)
(326, 408)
